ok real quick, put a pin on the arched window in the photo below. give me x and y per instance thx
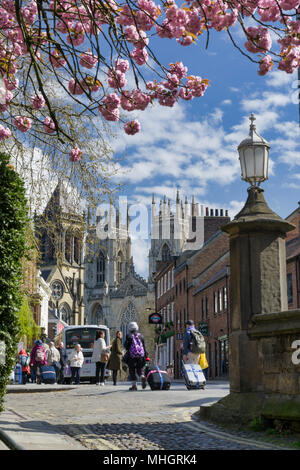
(120, 267)
(97, 315)
(65, 313)
(165, 254)
(68, 246)
(77, 249)
(128, 316)
(100, 269)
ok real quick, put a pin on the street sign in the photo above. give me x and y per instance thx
(155, 318)
(203, 328)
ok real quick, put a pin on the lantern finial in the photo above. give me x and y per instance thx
(252, 125)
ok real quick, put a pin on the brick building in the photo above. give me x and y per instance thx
(164, 295)
(293, 260)
(201, 294)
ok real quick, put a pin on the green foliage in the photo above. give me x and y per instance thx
(27, 325)
(13, 226)
(257, 424)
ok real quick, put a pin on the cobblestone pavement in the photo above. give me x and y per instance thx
(112, 418)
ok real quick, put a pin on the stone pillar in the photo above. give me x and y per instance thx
(258, 287)
(258, 282)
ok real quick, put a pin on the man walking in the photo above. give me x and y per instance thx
(193, 344)
(53, 358)
(63, 360)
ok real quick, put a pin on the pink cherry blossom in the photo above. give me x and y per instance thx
(38, 102)
(22, 123)
(88, 60)
(5, 133)
(49, 126)
(132, 127)
(75, 154)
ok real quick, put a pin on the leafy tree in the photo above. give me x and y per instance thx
(13, 226)
(27, 325)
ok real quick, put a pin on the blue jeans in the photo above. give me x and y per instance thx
(75, 371)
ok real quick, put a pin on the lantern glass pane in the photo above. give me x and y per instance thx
(249, 162)
(242, 163)
(259, 163)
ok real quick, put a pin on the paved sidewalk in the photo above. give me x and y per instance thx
(21, 434)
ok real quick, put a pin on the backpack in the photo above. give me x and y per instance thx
(136, 348)
(197, 343)
(24, 361)
(39, 355)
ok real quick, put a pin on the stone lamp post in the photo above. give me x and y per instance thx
(258, 296)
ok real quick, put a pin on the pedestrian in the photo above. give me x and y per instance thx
(37, 360)
(135, 355)
(115, 360)
(63, 360)
(24, 361)
(193, 344)
(204, 365)
(44, 342)
(76, 362)
(98, 356)
(53, 358)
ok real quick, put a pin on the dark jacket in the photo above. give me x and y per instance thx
(128, 342)
(63, 356)
(187, 340)
(115, 360)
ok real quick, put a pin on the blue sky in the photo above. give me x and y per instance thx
(193, 146)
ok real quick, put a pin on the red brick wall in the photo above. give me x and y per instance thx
(206, 262)
(294, 219)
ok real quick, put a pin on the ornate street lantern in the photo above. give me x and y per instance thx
(254, 157)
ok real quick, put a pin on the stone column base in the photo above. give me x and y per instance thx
(242, 408)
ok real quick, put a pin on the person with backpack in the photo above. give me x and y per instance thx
(38, 359)
(135, 355)
(24, 361)
(193, 344)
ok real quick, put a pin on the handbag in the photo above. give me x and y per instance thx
(203, 361)
(104, 356)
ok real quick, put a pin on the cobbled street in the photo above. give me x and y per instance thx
(113, 418)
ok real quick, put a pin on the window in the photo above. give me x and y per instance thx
(180, 287)
(220, 302)
(68, 246)
(290, 288)
(172, 285)
(202, 307)
(100, 273)
(215, 302)
(176, 290)
(119, 267)
(206, 306)
(169, 280)
(184, 284)
(225, 298)
(165, 254)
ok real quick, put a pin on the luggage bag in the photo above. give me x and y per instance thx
(193, 376)
(48, 374)
(158, 379)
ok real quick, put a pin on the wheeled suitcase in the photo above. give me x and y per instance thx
(158, 379)
(48, 375)
(193, 376)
